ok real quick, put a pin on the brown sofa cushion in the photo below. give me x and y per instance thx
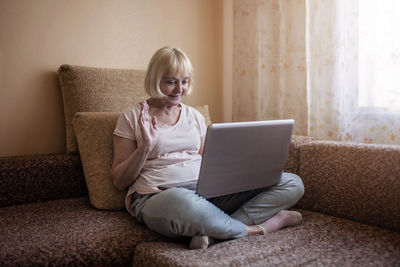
(88, 89)
(69, 232)
(94, 131)
(319, 240)
(355, 181)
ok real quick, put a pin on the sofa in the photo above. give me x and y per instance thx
(62, 210)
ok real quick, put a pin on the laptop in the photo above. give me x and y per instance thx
(241, 156)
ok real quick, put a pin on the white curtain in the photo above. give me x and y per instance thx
(269, 79)
(320, 62)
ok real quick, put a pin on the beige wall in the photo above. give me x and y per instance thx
(38, 36)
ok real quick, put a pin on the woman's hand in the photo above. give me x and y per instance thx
(129, 156)
(148, 127)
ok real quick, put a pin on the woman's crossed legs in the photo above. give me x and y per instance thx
(180, 212)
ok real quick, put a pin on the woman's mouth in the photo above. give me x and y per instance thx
(175, 96)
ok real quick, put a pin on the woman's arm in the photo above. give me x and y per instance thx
(129, 157)
(128, 162)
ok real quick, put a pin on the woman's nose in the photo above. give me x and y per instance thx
(178, 87)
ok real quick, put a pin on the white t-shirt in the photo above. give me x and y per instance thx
(175, 157)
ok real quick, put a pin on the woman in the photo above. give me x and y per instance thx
(160, 141)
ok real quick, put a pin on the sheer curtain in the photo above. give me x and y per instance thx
(321, 63)
(269, 79)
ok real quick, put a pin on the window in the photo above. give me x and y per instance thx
(379, 54)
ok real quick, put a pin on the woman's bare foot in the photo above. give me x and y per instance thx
(282, 219)
(200, 242)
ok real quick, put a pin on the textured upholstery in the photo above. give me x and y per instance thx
(87, 89)
(36, 178)
(293, 159)
(356, 181)
(68, 232)
(319, 240)
(94, 131)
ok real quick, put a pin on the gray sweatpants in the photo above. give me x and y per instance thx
(179, 212)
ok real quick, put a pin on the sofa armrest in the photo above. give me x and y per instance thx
(360, 182)
(28, 179)
(293, 159)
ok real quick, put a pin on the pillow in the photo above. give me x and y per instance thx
(88, 89)
(94, 132)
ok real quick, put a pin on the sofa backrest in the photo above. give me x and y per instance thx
(360, 182)
(37, 178)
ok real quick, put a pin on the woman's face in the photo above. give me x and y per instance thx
(174, 88)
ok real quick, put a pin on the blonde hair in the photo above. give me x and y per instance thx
(167, 61)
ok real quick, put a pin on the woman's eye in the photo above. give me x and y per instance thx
(174, 82)
(170, 82)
